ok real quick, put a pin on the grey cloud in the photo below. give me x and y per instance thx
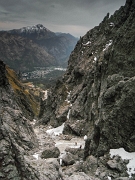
(56, 14)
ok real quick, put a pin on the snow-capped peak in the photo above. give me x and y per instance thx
(31, 29)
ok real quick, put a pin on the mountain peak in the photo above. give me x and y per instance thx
(37, 31)
(35, 28)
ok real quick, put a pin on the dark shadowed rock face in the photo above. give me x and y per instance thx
(16, 134)
(101, 78)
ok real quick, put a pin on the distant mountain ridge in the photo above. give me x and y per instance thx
(33, 46)
(37, 32)
(23, 54)
(59, 45)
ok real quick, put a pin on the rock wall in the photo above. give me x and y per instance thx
(101, 78)
(16, 134)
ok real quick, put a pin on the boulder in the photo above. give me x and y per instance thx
(90, 165)
(50, 152)
(76, 151)
(78, 128)
(117, 164)
(67, 159)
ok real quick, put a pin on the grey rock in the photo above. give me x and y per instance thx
(78, 128)
(50, 152)
(68, 159)
(102, 85)
(101, 90)
(114, 165)
(16, 134)
(80, 176)
(90, 165)
(76, 151)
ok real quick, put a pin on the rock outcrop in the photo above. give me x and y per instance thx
(50, 152)
(28, 103)
(100, 81)
(16, 134)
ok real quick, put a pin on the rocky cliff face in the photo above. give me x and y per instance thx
(96, 95)
(16, 134)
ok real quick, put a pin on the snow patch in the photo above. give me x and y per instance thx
(36, 156)
(95, 59)
(56, 131)
(85, 138)
(68, 101)
(109, 178)
(111, 24)
(86, 43)
(60, 69)
(33, 122)
(68, 114)
(125, 155)
(68, 97)
(45, 95)
(77, 147)
(107, 45)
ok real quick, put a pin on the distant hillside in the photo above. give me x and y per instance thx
(59, 45)
(22, 53)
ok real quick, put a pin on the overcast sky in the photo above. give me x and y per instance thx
(70, 16)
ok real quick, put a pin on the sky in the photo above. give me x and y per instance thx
(70, 16)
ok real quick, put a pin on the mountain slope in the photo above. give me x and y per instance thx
(17, 137)
(59, 46)
(23, 54)
(101, 78)
(22, 143)
(26, 101)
